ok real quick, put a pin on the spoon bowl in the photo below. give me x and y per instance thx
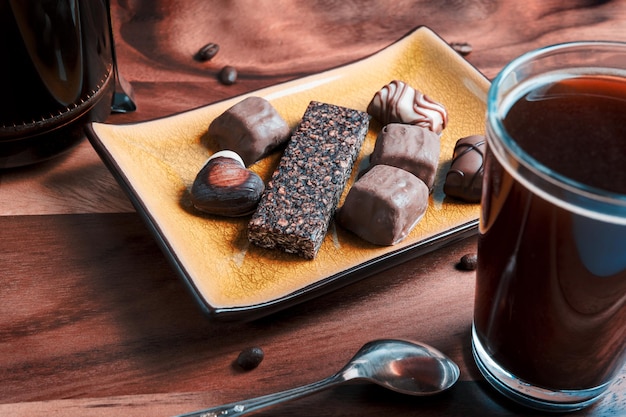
(400, 365)
(407, 367)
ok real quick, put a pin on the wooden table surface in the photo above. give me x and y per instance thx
(95, 322)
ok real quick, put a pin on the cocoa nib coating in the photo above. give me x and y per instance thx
(252, 128)
(300, 198)
(384, 205)
(465, 177)
(412, 148)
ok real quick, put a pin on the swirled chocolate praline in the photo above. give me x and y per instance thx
(398, 102)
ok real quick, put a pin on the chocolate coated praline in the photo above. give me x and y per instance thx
(465, 177)
(384, 205)
(412, 148)
(252, 128)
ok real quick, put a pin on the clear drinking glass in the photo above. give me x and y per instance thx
(550, 308)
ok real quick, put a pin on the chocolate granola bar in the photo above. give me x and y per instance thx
(302, 195)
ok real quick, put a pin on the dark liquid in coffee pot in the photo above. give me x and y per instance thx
(57, 74)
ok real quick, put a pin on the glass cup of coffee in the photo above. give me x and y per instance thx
(549, 326)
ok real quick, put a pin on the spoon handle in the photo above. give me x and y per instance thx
(243, 407)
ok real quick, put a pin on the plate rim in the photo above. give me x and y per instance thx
(314, 289)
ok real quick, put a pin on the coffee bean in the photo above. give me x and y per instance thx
(207, 52)
(462, 48)
(468, 262)
(228, 75)
(250, 358)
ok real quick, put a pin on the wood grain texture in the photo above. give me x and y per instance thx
(465, 399)
(113, 283)
(94, 322)
(110, 318)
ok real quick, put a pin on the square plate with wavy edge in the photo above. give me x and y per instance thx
(156, 162)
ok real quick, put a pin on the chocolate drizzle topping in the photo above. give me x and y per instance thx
(464, 179)
(397, 102)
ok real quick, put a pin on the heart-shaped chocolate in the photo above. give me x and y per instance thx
(225, 187)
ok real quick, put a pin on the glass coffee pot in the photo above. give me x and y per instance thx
(58, 73)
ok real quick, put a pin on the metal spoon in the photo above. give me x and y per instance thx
(399, 365)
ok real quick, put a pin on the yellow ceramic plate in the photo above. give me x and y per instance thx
(157, 161)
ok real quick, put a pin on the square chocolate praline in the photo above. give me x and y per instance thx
(252, 128)
(412, 148)
(384, 205)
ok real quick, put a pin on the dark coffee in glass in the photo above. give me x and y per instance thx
(57, 74)
(550, 307)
